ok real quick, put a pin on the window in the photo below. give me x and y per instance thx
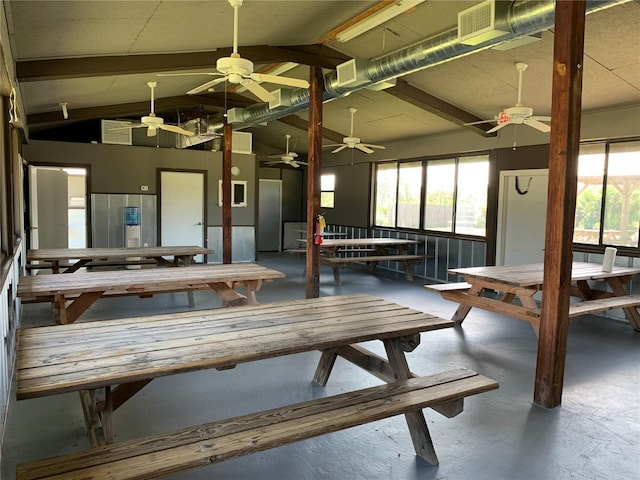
(238, 193)
(409, 191)
(327, 191)
(386, 188)
(608, 194)
(471, 196)
(454, 198)
(438, 211)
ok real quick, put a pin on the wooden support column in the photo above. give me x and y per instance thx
(226, 192)
(313, 179)
(561, 201)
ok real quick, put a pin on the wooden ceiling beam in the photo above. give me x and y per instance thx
(138, 108)
(404, 91)
(83, 67)
(301, 124)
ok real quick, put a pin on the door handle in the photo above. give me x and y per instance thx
(199, 223)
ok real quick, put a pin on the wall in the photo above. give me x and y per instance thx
(124, 169)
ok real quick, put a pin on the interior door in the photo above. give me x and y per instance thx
(49, 205)
(269, 215)
(522, 216)
(182, 209)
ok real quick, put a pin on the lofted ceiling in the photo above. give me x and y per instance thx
(97, 56)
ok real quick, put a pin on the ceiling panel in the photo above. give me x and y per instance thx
(482, 83)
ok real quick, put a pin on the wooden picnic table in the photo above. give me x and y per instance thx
(108, 362)
(522, 282)
(325, 234)
(75, 258)
(84, 288)
(338, 252)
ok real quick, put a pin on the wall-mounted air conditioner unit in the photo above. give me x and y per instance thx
(115, 132)
(483, 22)
(241, 142)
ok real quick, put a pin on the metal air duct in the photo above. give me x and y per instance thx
(520, 17)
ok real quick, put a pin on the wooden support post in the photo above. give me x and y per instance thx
(561, 201)
(227, 133)
(313, 180)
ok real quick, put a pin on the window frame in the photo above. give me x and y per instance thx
(457, 159)
(333, 191)
(602, 244)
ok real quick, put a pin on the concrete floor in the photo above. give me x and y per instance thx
(595, 434)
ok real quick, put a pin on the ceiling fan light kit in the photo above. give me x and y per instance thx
(287, 158)
(152, 122)
(239, 71)
(518, 114)
(353, 142)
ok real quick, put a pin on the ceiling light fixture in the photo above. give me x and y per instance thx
(378, 18)
(65, 112)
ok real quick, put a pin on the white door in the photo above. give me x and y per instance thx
(269, 215)
(49, 206)
(182, 209)
(522, 216)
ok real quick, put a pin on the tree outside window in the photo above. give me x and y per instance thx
(608, 194)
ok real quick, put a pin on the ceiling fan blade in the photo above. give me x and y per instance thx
(363, 148)
(258, 90)
(543, 127)
(541, 117)
(479, 122)
(339, 149)
(498, 127)
(177, 129)
(372, 146)
(185, 74)
(333, 145)
(287, 81)
(206, 86)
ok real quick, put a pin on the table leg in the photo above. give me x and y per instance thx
(418, 429)
(463, 310)
(325, 366)
(250, 289)
(77, 266)
(229, 296)
(528, 302)
(69, 314)
(97, 408)
(186, 261)
(631, 313)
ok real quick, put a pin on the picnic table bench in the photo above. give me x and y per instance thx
(522, 282)
(72, 295)
(72, 259)
(339, 252)
(110, 361)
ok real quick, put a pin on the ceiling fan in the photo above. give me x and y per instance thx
(288, 158)
(152, 122)
(519, 114)
(353, 142)
(237, 70)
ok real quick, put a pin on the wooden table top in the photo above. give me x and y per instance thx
(80, 356)
(531, 274)
(75, 253)
(141, 280)
(362, 242)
